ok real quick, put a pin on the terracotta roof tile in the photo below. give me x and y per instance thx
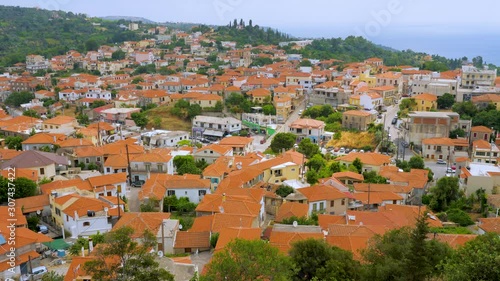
(291, 209)
(193, 240)
(368, 158)
(141, 222)
(226, 235)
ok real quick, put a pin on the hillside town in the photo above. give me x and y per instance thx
(200, 142)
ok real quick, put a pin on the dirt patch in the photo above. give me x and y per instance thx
(168, 121)
(354, 140)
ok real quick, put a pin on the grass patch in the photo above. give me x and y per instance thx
(354, 140)
(450, 230)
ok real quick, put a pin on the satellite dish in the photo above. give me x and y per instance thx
(295, 223)
(38, 212)
(106, 209)
(160, 254)
(180, 226)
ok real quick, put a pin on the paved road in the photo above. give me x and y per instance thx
(282, 128)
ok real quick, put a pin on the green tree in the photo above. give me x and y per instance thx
(52, 276)
(308, 148)
(140, 119)
(135, 260)
(249, 261)
(97, 103)
(305, 62)
(118, 55)
(31, 113)
(268, 109)
(14, 142)
(416, 162)
(301, 220)
(314, 259)
(467, 109)
(137, 80)
(476, 260)
(335, 167)
(186, 165)
(284, 191)
(312, 177)
(404, 254)
(445, 101)
(283, 141)
(18, 98)
(23, 188)
(91, 45)
(316, 162)
(83, 119)
(157, 122)
(459, 216)
(408, 104)
(457, 133)
(373, 177)
(444, 193)
(194, 110)
(359, 166)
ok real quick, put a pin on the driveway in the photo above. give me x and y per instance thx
(133, 199)
(282, 128)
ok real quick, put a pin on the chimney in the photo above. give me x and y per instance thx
(91, 245)
(83, 252)
(55, 139)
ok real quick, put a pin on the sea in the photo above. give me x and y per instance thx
(450, 42)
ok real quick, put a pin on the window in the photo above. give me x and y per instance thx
(108, 170)
(42, 171)
(160, 168)
(98, 159)
(87, 160)
(58, 212)
(202, 192)
(332, 203)
(86, 223)
(148, 167)
(315, 207)
(322, 206)
(171, 193)
(343, 202)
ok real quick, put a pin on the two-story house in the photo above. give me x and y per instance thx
(42, 140)
(480, 133)
(438, 148)
(210, 153)
(259, 95)
(389, 94)
(60, 122)
(283, 107)
(46, 164)
(484, 152)
(358, 119)
(423, 125)
(143, 164)
(239, 145)
(325, 199)
(83, 216)
(308, 128)
(215, 127)
(425, 102)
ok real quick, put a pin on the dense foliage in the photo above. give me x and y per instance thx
(27, 31)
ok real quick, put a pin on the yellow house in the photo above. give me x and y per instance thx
(283, 105)
(355, 100)
(426, 102)
(206, 100)
(279, 169)
(389, 94)
(370, 80)
(259, 95)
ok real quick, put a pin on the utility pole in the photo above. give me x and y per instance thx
(128, 166)
(369, 189)
(118, 200)
(162, 236)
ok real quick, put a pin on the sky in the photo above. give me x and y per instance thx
(389, 22)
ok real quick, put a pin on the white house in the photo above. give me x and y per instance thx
(308, 128)
(215, 126)
(210, 153)
(190, 186)
(83, 216)
(370, 101)
(162, 138)
(97, 93)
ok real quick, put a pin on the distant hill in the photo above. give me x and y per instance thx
(25, 31)
(127, 18)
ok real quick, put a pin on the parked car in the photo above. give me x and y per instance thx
(441, 161)
(450, 171)
(138, 183)
(342, 150)
(43, 229)
(38, 273)
(394, 121)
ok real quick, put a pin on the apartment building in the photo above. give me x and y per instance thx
(426, 125)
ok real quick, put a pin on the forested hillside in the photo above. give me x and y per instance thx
(28, 30)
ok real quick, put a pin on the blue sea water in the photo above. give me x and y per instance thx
(451, 42)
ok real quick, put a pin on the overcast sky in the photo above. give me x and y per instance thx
(326, 18)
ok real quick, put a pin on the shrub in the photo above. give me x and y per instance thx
(460, 217)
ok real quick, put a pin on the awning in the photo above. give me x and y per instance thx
(213, 133)
(57, 244)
